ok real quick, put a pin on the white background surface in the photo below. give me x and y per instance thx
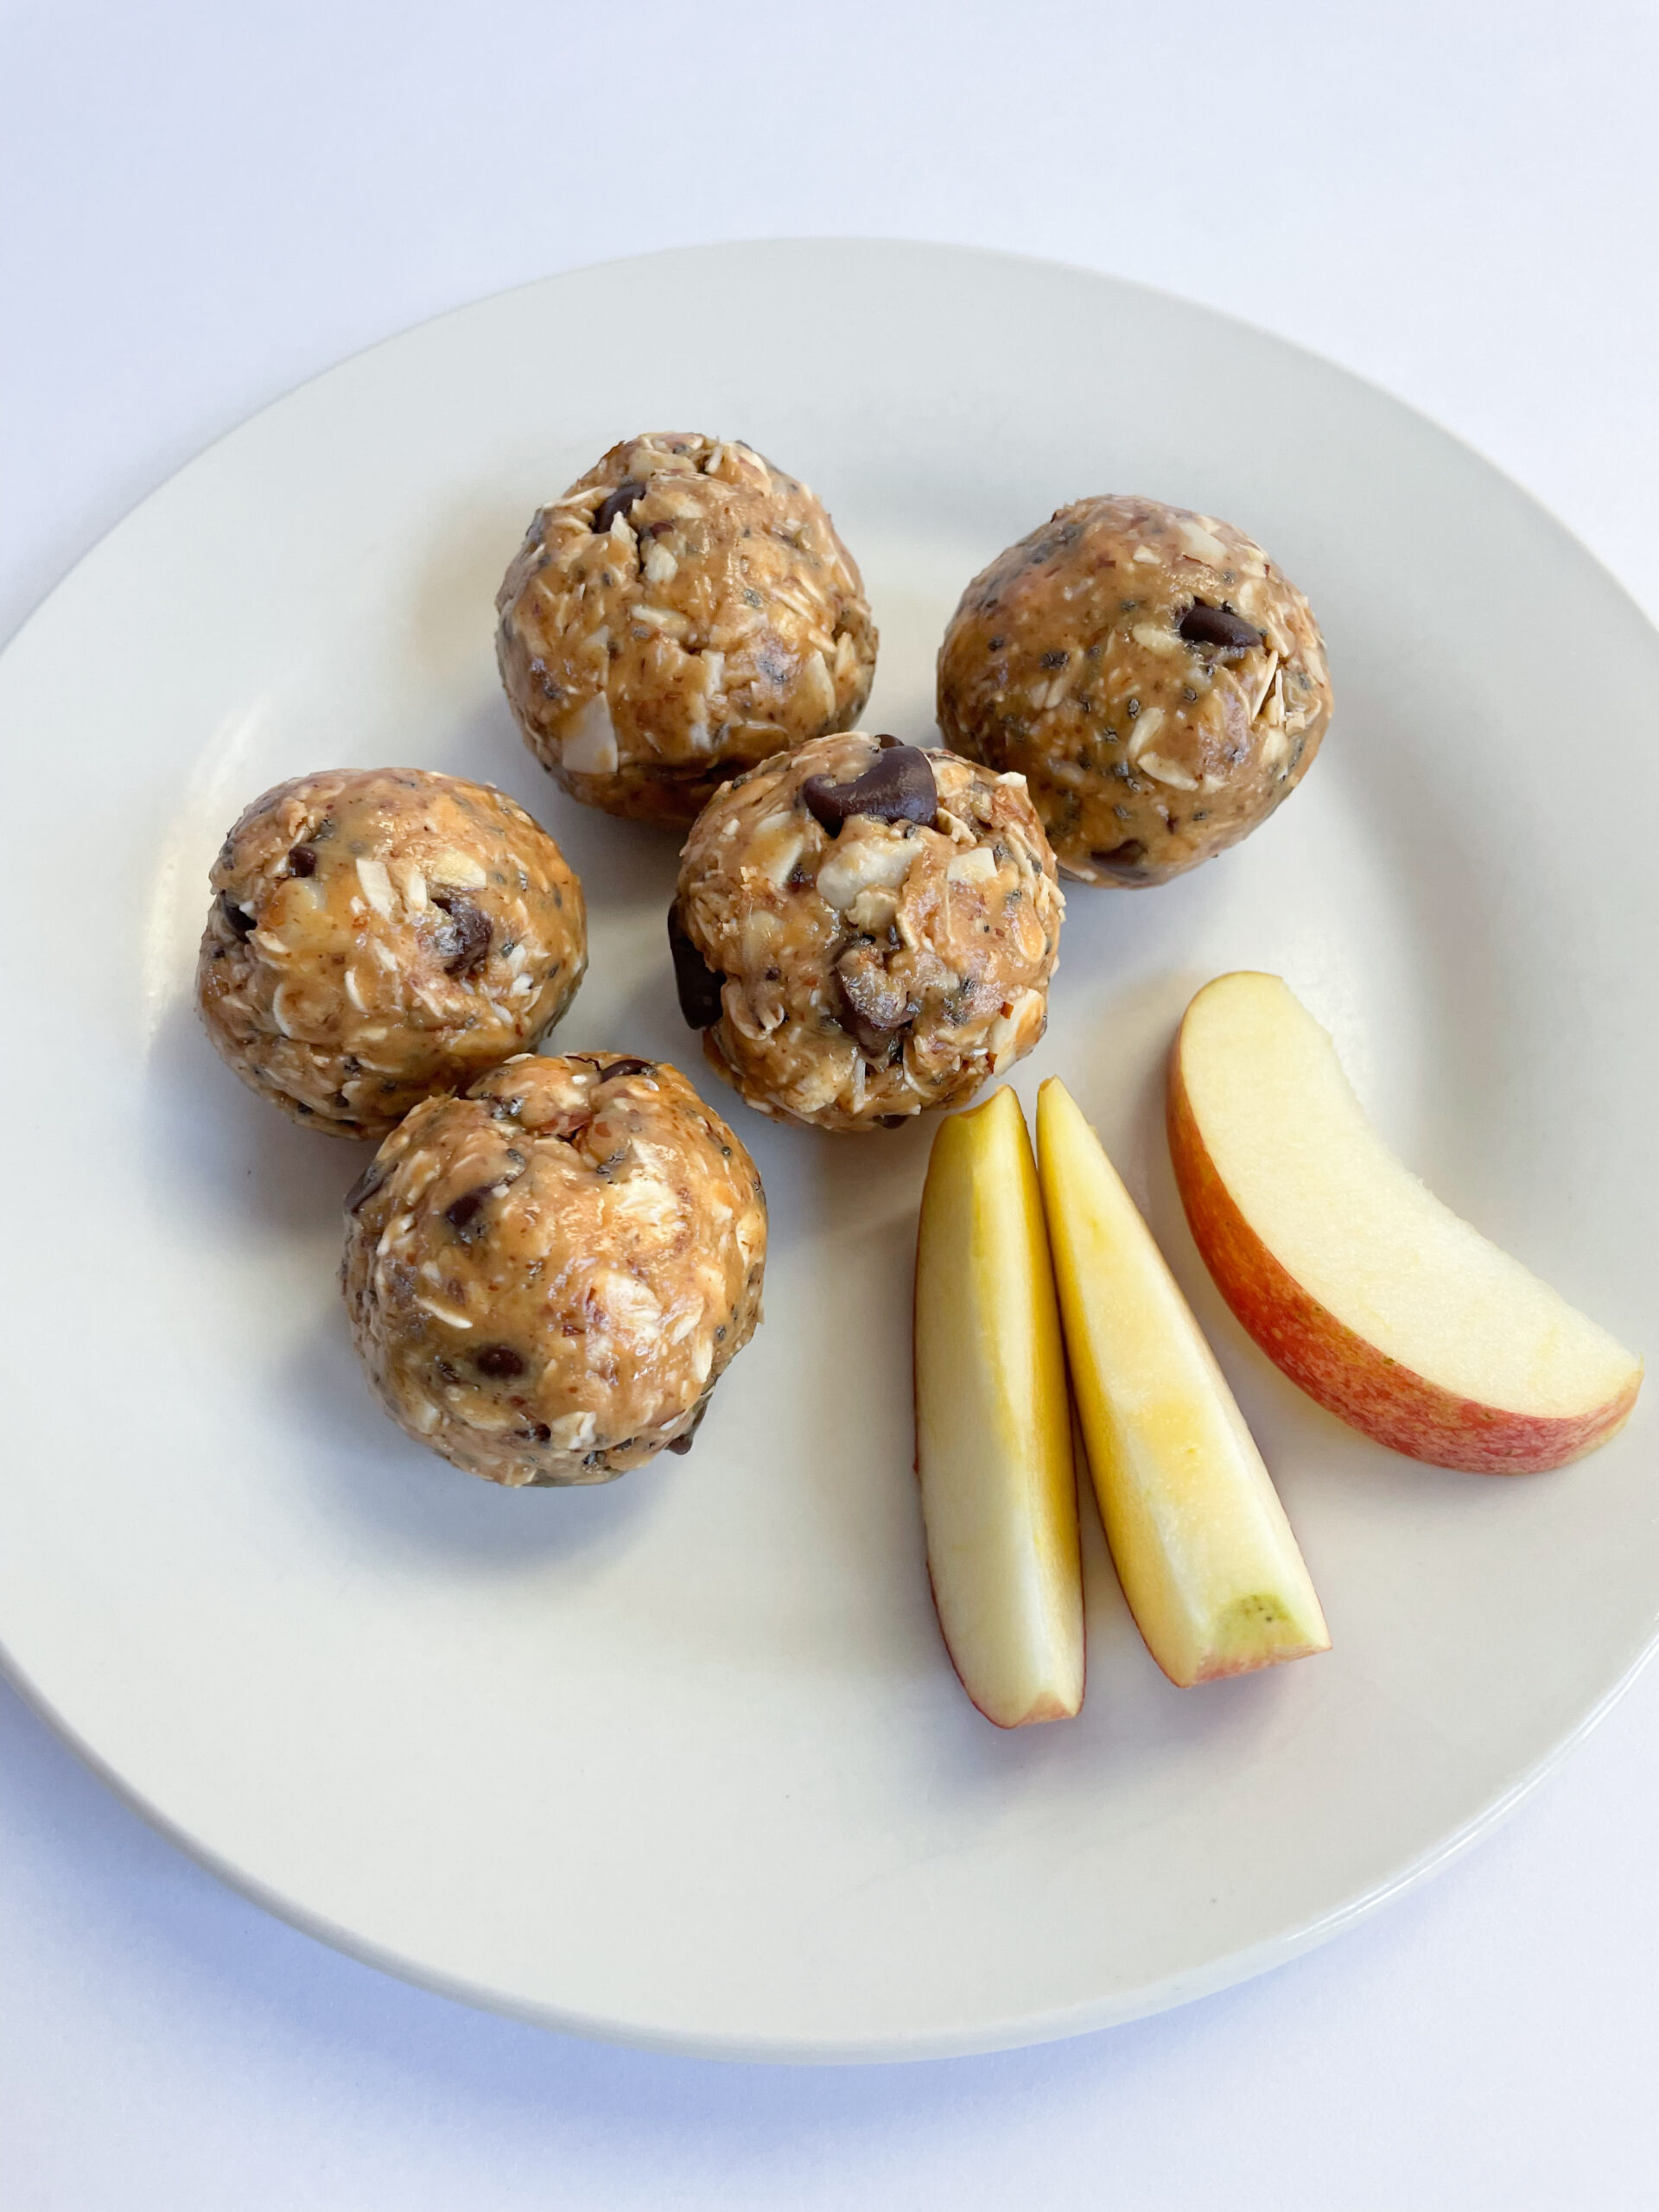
(205, 205)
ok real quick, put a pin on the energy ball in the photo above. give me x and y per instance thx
(547, 1278)
(1162, 686)
(683, 612)
(862, 929)
(379, 935)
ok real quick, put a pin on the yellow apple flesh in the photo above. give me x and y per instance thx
(1371, 1295)
(1205, 1555)
(993, 1426)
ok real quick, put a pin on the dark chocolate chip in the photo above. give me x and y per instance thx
(540, 1432)
(302, 861)
(694, 980)
(462, 1214)
(892, 1120)
(464, 939)
(617, 503)
(366, 1185)
(498, 1361)
(617, 1068)
(239, 922)
(897, 786)
(681, 1444)
(1124, 860)
(1203, 625)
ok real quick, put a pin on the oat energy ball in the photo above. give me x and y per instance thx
(862, 930)
(1161, 685)
(684, 611)
(547, 1278)
(379, 935)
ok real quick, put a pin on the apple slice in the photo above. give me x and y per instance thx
(1202, 1546)
(993, 1426)
(1371, 1295)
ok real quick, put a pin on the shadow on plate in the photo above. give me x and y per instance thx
(212, 1148)
(380, 1485)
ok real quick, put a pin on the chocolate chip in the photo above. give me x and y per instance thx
(239, 922)
(1124, 860)
(302, 861)
(897, 786)
(462, 1214)
(617, 503)
(892, 1120)
(366, 1185)
(618, 1068)
(693, 979)
(540, 1432)
(463, 941)
(498, 1361)
(1203, 625)
(682, 1443)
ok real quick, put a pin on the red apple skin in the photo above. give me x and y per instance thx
(1337, 1368)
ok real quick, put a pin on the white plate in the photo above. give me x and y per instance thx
(681, 1760)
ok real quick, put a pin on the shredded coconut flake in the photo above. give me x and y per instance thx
(377, 887)
(591, 748)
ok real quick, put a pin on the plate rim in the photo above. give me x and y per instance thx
(1176, 1991)
(853, 240)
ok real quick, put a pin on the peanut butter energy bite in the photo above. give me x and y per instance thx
(683, 612)
(379, 935)
(862, 930)
(1161, 685)
(547, 1278)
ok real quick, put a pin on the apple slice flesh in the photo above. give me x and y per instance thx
(1371, 1295)
(993, 1425)
(1208, 1563)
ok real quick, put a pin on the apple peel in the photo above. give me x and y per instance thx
(1373, 1297)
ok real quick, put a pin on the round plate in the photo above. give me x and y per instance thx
(681, 1760)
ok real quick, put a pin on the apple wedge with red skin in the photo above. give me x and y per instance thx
(994, 1425)
(1371, 1295)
